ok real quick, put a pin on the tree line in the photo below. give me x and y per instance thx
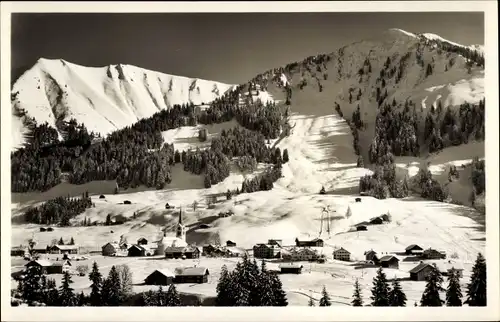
(59, 210)
(383, 294)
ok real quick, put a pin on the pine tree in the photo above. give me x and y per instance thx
(396, 295)
(30, 287)
(311, 302)
(173, 298)
(476, 289)
(264, 287)
(60, 242)
(380, 290)
(72, 241)
(52, 298)
(279, 295)
(325, 298)
(111, 292)
(357, 300)
(360, 163)
(81, 299)
(431, 296)
(285, 156)
(96, 278)
(108, 220)
(66, 295)
(224, 297)
(453, 292)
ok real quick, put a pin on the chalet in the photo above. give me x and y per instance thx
(182, 252)
(191, 275)
(63, 249)
(420, 272)
(290, 268)
(371, 255)
(302, 254)
(433, 254)
(276, 242)
(46, 266)
(412, 249)
(142, 241)
(110, 249)
(230, 243)
(235, 252)
(160, 277)
(18, 251)
(41, 249)
(266, 251)
(212, 250)
(317, 242)
(139, 251)
(389, 261)
(376, 221)
(341, 254)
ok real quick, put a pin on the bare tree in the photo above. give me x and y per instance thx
(82, 270)
(125, 279)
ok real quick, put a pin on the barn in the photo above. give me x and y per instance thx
(179, 252)
(433, 254)
(64, 249)
(160, 277)
(136, 251)
(290, 268)
(376, 221)
(191, 275)
(389, 261)
(371, 255)
(341, 254)
(110, 249)
(46, 266)
(18, 251)
(316, 242)
(420, 272)
(410, 250)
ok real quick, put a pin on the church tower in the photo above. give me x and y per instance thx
(181, 229)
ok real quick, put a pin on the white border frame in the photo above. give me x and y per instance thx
(491, 312)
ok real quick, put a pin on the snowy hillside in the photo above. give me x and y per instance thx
(104, 98)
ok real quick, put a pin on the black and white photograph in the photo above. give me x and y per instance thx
(250, 158)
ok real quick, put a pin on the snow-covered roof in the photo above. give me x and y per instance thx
(191, 271)
(388, 258)
(290, 265)
(66, 247)
(412, 246)
(164, 272)
(236, 250)
(419, 267)
(41, 262)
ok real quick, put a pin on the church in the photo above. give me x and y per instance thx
(169, 241)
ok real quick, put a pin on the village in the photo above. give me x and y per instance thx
(285, 259)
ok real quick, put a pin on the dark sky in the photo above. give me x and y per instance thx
(230, 48)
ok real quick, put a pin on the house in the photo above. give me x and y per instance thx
(46, 266)
(389, 261)
(142, 241)
(191, 275)
(316, 242)
(371, 255)
(290, 268)
(230, 243)
(63, 249)
(266, 251)
(302, 254)
(160, 277)
(420, 272)
(110, 249)
(235, 252)
(276, 242)
(341, 254)
(211, 250)
(182, 252)
(410, 250)
(18, 251)
(139, 250)
(41, 249)
(376, 221)
(433, 254)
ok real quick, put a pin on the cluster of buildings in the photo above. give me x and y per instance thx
(379, 220)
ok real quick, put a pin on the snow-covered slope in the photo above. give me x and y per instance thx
(432, 36)
(104, 98)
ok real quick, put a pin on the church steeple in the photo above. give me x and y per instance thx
(181, 229)
(180, 216)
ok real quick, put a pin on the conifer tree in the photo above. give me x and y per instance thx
(279, 295)
(224, 297)
(111, 292)
(60, 242)
(30, 287)
(285, 156)
(52, 298)
(264, 288)
(325, 298)
(72, 241)
(81, 299)
(311, 302)
(360, 163)
(476, 289)
(96, 278)
(396, 295)
(173, 298)
(453, 291)
(380, 290)
(66, 295)
(431, 296)
(357, 300)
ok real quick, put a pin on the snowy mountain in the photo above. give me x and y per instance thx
(104, 98)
